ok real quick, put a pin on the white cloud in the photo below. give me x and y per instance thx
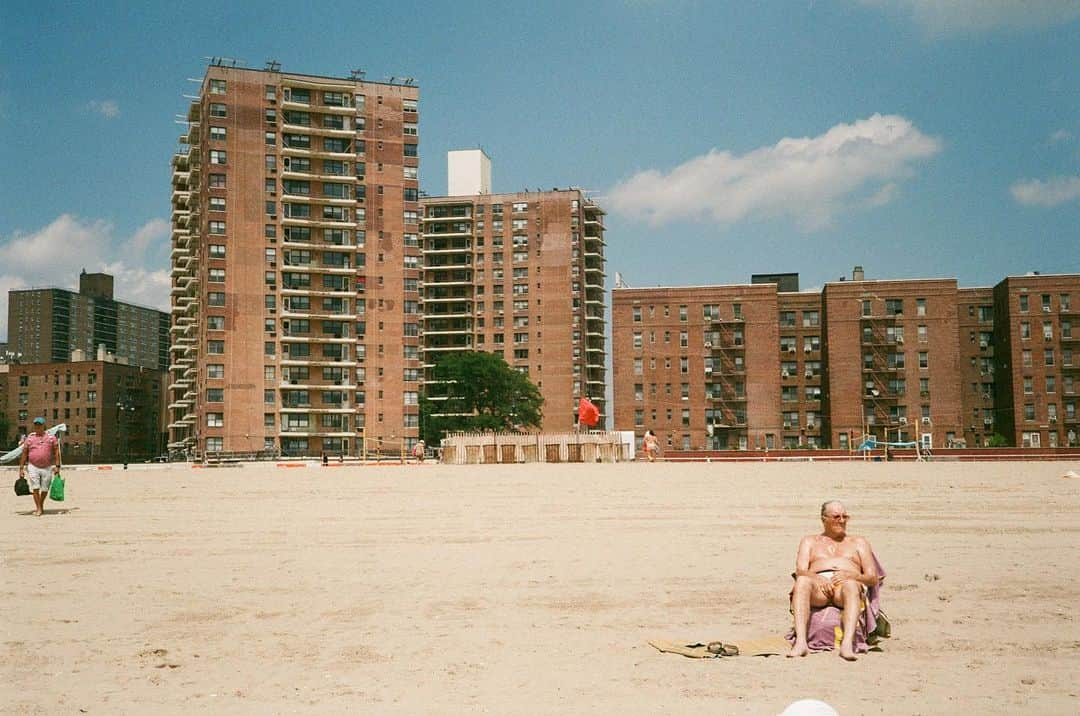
(809, 179)
(55, 255)
(107, 108)
(1053, 191)
(1061, 135)
(941, 17)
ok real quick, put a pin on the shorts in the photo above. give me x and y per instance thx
(40, 478)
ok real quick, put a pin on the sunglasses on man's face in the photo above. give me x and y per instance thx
(838, 518)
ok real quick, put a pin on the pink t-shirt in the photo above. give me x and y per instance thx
(40, 449)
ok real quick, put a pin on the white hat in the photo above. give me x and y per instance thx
(809, 707)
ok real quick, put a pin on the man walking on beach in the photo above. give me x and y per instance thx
(831, 568)
(42, 452)
(651, 445)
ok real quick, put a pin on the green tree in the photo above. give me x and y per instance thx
(477, 391)
(998, 440)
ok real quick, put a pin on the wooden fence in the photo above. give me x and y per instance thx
(506, 448)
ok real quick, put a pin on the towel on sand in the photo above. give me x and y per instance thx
(826, 630)
(766, 646)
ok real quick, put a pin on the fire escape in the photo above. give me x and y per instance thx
(725, 383)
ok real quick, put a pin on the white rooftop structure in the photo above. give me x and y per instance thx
(468, 172)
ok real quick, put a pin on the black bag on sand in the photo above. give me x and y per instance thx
(22, 487)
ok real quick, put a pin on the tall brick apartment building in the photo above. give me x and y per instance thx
(752, 367)
(295, 265)
(46, 324)
(521, 275)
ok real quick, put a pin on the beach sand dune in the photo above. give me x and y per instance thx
(530, 589)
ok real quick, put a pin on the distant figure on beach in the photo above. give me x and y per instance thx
(650, 445)
(418, 451)
(831, 568)
(41, 453)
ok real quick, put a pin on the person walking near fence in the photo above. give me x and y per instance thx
(651, 445)
(41, 453)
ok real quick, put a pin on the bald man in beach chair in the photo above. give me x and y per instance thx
(833, 569)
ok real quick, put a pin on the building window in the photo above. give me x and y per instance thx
(215, 348)
(215, 298)
(215, 444)
(215, 420)
(1023, 303)
(924, 359)
(215, 323)
(218, 110)
(1048, 356)
(682, 313)
(410, 150)
(216, 275)
(217, 181)
(218, 156)
(215, 395)
(215, 370)
(920, 306)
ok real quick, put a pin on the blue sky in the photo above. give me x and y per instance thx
(913, 137)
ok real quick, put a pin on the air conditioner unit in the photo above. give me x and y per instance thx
(926, 421)
(1046, 309)
(809, 374)
(791, 349)
(1053, 420)
(810, 425)
(988, 421)
(708, 369)
(903, 420)
(787, 426)
(983, 344)
(785, 374)
(900, 340)
(708, 344)
(807, 350)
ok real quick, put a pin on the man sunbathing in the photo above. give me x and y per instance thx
(831, 568)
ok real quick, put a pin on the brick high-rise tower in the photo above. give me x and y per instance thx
(295, 292)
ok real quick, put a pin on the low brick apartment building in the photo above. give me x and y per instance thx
(751, 366)
(113, 411)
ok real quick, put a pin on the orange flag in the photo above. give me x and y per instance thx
(588, 414)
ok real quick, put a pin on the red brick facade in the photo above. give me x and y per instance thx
(521, 275)
(902, 360)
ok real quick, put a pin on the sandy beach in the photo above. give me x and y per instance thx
(529, 589)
